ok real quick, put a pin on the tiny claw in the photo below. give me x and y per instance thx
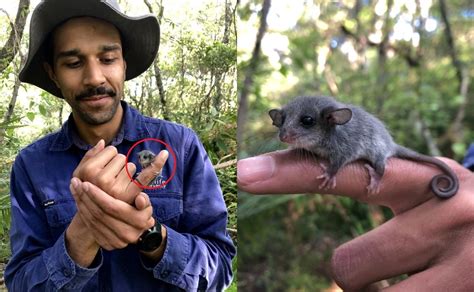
(329, 182)
(375, 181)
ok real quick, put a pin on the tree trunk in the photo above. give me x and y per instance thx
(382, 77)
(156, 67)
(250, 72)
(11, 106)
(11, 47)
(455, 130)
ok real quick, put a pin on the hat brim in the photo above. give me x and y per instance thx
(140, 37)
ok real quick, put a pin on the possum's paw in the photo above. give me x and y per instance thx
(374, 185)
(329, 181)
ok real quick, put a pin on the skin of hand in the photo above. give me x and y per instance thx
(113, 223)
(102, 169)
(105, 168)
(428, 238)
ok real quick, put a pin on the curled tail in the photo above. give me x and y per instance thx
(449, 176)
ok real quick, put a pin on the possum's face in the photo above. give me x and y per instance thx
(306, 121)
(145, 158)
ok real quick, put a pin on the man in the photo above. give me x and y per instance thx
(78, 221)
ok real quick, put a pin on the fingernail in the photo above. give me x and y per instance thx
(164, 154)
(98, 143)
(255, 169)
(74, 183)
(85, 186)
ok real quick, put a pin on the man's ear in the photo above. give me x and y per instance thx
(337, 116)
(277, 117)
(124, 69)
(51, 73)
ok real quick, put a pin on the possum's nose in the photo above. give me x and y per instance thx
(287, 136)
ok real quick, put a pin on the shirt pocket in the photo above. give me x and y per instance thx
(167, 206)
(59, 214)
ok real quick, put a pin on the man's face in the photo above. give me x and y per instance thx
(89, 68)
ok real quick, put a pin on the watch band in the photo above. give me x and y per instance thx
(150, 239)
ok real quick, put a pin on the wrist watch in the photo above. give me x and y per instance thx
(150, 239)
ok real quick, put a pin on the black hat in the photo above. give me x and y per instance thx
(140, 36)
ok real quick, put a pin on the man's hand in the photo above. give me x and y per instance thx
(105, 168)
(113, 223)
(429, 238)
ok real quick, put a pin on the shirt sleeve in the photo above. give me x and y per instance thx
(38, 261)
(199, 255)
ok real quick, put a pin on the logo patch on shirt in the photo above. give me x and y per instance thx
(48, 203)
(158, 181)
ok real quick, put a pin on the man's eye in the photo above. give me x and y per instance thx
(108, 60)
(73, 64)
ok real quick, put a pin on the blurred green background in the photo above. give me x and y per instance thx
(409, 62)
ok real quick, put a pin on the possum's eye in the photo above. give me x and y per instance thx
(307, 121)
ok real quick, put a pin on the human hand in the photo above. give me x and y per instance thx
(113, 223)
(428, 238)
(105, 168)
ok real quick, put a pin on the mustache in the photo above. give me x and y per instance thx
(101, 90)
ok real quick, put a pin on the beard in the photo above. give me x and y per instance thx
(95, 115)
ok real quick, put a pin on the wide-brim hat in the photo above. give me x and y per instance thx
(140, 36)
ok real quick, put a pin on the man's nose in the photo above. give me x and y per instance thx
(93, 75)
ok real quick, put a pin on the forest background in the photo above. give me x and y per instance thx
(192, 82)
(409, 62)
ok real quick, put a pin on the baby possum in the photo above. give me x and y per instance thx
(343, 133)
(145, 158)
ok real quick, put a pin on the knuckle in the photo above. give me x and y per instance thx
(128, 237)
(142, 224)
(112, 150)
(120, 244)
(121, 157)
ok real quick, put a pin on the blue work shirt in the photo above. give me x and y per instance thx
(198, 252)
(468, 161)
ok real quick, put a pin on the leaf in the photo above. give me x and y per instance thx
(43, 111)
(30, 116)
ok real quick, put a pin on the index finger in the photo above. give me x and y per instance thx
(405, 184)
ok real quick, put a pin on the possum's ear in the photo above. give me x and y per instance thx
(277, 117)
(337, 116)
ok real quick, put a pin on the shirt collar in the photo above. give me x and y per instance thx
(132, 129)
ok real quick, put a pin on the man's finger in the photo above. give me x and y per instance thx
(90, 154)
(142, 201)
(432, 279)
(148, 174)
(405, 184)
(104, 157)
(394, 248)
(114, 208)
(94, 150)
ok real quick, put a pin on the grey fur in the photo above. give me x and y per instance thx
(340, 138)
(145, 158)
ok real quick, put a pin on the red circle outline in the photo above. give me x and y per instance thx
(173, 171)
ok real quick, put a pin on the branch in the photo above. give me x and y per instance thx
(412, 61)
(12, 46)
(250, 72)
(225, 164)
(455, 130)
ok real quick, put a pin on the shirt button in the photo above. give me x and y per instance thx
(66, 272)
